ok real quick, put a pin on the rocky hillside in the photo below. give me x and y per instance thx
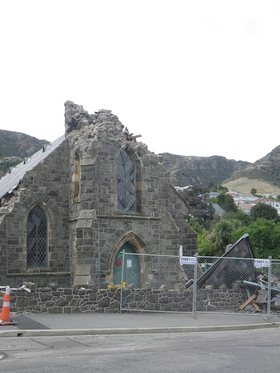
(266, 168)
(186, 170)
(263, 175)
(14, 146)
(18, 144)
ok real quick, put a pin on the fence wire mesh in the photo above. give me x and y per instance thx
(156, 283)
(224, 284)
(162, 283)
(275, 286)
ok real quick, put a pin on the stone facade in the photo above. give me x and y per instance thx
(87, 210)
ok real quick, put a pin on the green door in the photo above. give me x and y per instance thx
(130, 266)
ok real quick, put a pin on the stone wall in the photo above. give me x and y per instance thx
(45, 185)
(78, 300)
(182, 301)
(65, 300)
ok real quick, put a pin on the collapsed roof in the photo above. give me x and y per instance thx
(229, 268)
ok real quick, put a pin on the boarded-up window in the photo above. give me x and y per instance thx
(37, 238)
(126, 182)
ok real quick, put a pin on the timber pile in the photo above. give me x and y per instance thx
(257, 302)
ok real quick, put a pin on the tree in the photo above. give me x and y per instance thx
(264, 237)
(264, 211)
(194, 223)
(199, 208)
(240, 218)
(253, 191)
(205, 246)
(226, 202)
(219, 188)
(221, 235)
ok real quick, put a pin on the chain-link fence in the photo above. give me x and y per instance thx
(274, 283)
(156, 283)
(229, 284)
(163, 283)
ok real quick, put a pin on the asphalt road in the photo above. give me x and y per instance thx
(251, 351)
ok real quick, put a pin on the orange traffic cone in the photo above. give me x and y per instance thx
(5, 314)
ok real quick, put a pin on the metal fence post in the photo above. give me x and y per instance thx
(122, 277)
(269, 289)
(194, 287)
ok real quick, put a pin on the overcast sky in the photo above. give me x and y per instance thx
(193, 77)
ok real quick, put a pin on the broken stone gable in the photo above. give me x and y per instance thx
(73, 209)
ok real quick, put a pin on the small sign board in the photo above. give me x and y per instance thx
(129, 263)
(261, 263)
(189, 260)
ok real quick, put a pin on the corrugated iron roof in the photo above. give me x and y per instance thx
(11, 180)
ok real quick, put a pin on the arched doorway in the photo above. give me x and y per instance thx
(130, 266)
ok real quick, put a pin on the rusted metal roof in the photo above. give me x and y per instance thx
(11, 180)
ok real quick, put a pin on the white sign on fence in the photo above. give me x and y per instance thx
(261, 263)
(190, 260)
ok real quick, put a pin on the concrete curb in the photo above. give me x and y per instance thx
(116, 331)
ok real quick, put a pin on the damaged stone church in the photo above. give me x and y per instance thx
(67, 212)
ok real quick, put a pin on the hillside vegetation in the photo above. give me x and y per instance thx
(245, 185)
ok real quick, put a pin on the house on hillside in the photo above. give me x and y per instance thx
(243, 201)
(269, 201)
(246, 201)
(242, 197)
(245, 207)
(70, 210)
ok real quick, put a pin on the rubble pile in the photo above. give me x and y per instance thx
(259, 300)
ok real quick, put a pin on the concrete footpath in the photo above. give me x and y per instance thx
(48, 324)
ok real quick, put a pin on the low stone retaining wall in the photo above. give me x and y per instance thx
(77, 300)
(157, 300)
(69, 300)
(220, 300)
(182, 301)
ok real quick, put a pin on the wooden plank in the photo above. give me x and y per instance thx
(256, 307)
(249, 300)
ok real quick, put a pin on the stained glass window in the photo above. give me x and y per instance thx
(37, 238)
(126, 182)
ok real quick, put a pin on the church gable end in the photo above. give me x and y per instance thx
(99, 188)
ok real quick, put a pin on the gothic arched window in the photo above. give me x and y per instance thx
(76, 178)
(126, 182)
(37, 241)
